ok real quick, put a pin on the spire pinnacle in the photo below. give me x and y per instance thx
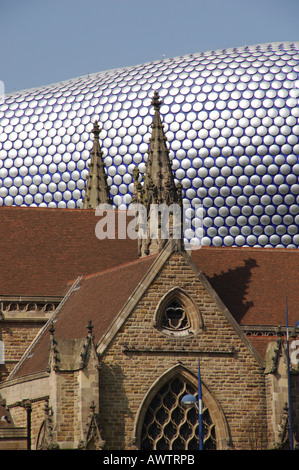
(156, 102)
(96, 186)
(159, 187)
(159, 183)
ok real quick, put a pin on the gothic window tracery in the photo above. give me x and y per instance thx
(169, 426)
(178, 314)
(175, 317)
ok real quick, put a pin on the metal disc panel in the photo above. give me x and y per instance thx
(231, 120)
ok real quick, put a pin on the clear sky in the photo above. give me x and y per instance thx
(48, 41)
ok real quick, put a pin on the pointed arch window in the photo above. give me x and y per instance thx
(177, 314)
(169, 426)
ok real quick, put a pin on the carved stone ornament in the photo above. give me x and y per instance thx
(46, 438)
(93, 438)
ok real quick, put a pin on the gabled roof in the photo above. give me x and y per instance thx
(98, 297)
(107, 299)
(43, 248)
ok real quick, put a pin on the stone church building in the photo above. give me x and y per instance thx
(102, 338)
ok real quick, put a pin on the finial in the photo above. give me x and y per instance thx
(90, 327)
(156, 102)
(47, 407)
(279, 331)
(135, 173)
(96, 129)
(52, 329)
(92, 407)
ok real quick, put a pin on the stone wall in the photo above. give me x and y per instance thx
(21, 318)
(17, 392)
(236, 380)
(140, 356)
(66, 421)
(17, 337)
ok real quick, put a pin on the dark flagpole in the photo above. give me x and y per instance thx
(200, 425)
(289, 381)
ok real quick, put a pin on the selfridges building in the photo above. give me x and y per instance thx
(231, 121)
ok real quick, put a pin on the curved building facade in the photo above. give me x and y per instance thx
(231, 120)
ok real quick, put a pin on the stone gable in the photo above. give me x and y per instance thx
(149, 340)
(140, 355)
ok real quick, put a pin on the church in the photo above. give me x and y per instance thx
(102, 338)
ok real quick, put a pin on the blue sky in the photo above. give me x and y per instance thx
(44, 42)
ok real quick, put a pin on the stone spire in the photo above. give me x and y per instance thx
(96, 191)
(159, 185)
(158, 190)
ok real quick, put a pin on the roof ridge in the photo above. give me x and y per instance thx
(116, 268)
